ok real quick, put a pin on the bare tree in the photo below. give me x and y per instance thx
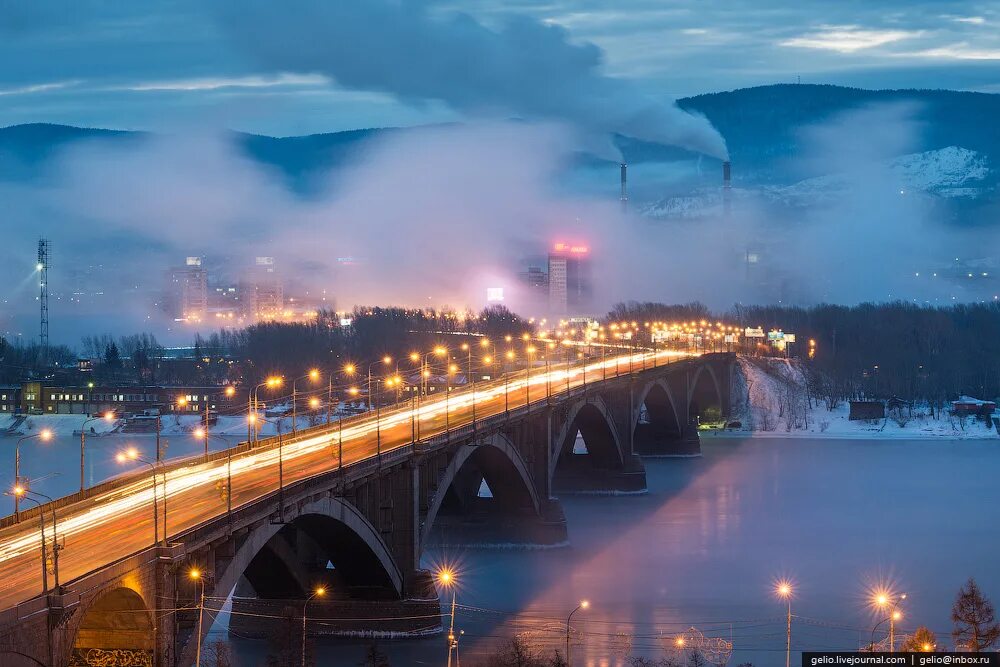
(976, 628)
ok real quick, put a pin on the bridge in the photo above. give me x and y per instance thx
(349, 506)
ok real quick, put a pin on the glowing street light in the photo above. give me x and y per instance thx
(585, 605)
(132, 454)
(783, 589)
(318, 592)
(885, 601)
(199, 578)
(44, 435)
(108, 417)
(446, 578)
(313, 376)
(271, 383)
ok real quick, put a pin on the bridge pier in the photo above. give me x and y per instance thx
(579, 477)
(487, 529)
(654, 441)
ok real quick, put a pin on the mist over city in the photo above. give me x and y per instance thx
(404, 332)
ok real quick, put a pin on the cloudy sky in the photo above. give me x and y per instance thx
(165, 62)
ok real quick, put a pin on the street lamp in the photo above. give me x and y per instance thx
(318, 592)
(21, 492)
(885, 601)
(386, 360)
(281, 465)
(44, 435)
(313, 376)
(203, 433)
(449, 370)
(584, 604)
(440, 351)
(783, 590)
(228, 391)
(132, 454)
(55, 533)
(447, 579)
(271, 382)
(198, 576)
(108, 417)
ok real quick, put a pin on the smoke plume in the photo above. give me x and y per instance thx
(522, 68)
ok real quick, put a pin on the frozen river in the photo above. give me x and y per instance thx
(704, 547)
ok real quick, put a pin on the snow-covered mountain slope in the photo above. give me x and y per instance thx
(951, 173)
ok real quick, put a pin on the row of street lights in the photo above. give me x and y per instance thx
(156, 466)
(447, 579)
(881, 600)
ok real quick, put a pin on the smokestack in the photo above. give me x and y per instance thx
(727, 185)
(624, 188)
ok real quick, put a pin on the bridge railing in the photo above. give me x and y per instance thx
(139, 477)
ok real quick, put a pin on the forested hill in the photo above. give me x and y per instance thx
(762, 126)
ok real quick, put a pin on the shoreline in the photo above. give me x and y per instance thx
(898, 434)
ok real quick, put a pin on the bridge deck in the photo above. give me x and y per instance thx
(114, 520)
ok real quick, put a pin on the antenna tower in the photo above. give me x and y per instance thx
(43, 294)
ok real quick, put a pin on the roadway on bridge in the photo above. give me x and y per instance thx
(118, 523)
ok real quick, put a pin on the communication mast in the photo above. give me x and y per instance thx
(43, 294)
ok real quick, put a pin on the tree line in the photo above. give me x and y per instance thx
(913, 352)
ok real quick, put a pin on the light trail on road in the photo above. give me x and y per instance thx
(117, 523)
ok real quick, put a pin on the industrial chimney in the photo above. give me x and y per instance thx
(624, 189)
(727, 185)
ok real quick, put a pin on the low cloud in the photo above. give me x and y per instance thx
(849, 38)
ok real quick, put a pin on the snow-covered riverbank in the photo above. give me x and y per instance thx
(769, 399)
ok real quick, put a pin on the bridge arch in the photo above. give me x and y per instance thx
(659, 421)
(705, 399)
(117, 623)
(661, 406)
(340, 532)
(592, 419)
(495, 461)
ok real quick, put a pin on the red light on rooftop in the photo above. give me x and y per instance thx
(571, 249)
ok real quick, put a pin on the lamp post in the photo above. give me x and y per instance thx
(281, 466)
(353, 391)
(312, 375)
(469, 378)
(203, 433)
(440, 351)
(55, 533)
(882, 600)
(107, 416)
(506, 377)
(447, 579)
(199, 577)
(132, 454)
(319, 592)
(378, 412)
(273, 381)
(449, 370)
(584, 604)
(529, 352)
(44, 435)
(415, 398)
(784, 591)
(21, 492)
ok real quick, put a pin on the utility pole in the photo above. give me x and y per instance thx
(43, 296)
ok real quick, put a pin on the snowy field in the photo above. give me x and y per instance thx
(769, 400)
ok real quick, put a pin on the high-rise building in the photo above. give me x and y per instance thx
(262, 292)
(570, 289)
(187, 291)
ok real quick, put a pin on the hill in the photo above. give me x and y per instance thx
(763, 127)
